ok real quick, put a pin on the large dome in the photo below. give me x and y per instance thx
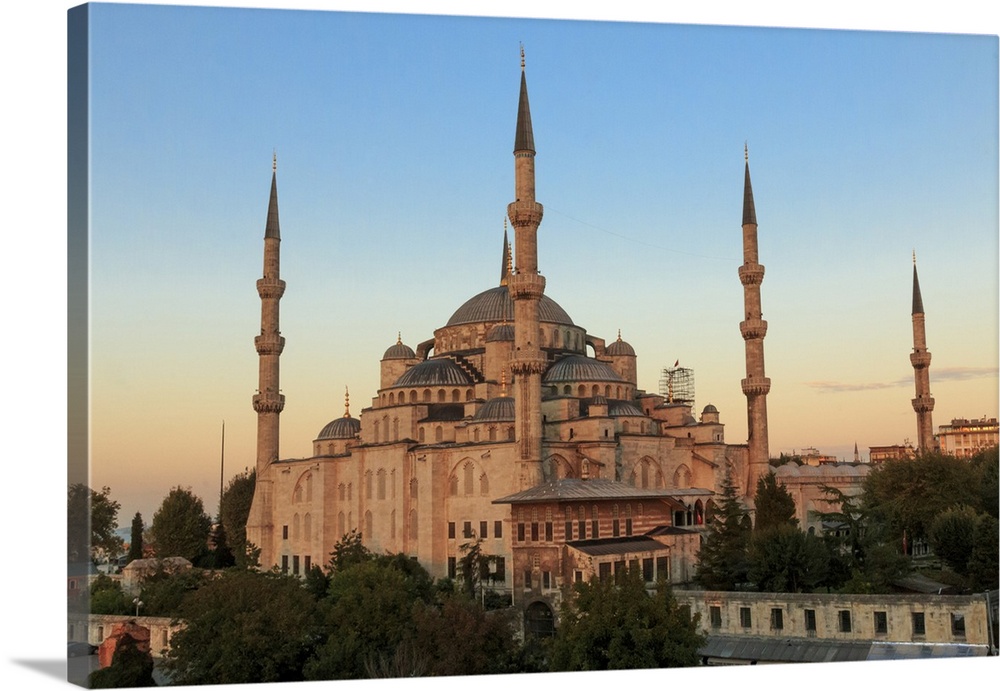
(495, 305)
(500, 409)
(341, 428)
(576, 368)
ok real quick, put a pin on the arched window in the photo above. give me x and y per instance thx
(392, 398)
(420, 434)
(484, 485)
(475, 434)
(368, 484)
(581, 391)
(369, 528)
(468, 395)
(567, 389)
(427, 395)
(441, 396)
(380, 484)
(454, 396)
(682, 477)
(438, 433)
(625, 427)
(468, 471)
(376, 431)
(307, 525)
(413, 396)
(607, 390)
(342, 491)
(595, 390)
(493, 433)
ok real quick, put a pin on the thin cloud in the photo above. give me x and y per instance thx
(937, 374)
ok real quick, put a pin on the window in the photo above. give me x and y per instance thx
(467, 529)
(578, 576)
(647, 570)
(663, 568)
(777, 619)
(844, 618)
(918, 624)
(483, 529)
(582, 529)
(957, 625)
(548, 531)
(307, 565)
(452, 567)
(284, 532)
(527, 579)
(520, 532)
(811, 620)
(745, 620)
(284, 563)
(295, 565)
(881, 623)
(604, 571)
(497, 528)
(451, 530)
(715, 616)
(568, 531)
(534, 531)
(628, 526)
(546, 580)
(501, 569)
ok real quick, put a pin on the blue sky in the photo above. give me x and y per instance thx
(393, 135)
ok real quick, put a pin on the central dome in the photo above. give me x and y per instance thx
(495, 305)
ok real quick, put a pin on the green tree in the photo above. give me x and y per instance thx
(722, 560)
(243, 627)
(163, 593)
(985, 558)
(348, 551)
(181, 526)
(135, 542)
(221, 556)
(129, 668)
(92, 521)
(783, 559)
(616, 624)
(459, 637)
(952, 537)
(107, 597)
(986, 465)
(774, 504)
(234, 508)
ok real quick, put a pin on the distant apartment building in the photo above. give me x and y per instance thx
(877, 454)
(964, 438)
(811, 456)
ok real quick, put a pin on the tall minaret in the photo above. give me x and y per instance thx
(526, 287)
(268, 401)
(753, 328)
(920, 358)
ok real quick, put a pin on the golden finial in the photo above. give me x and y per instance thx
(347, 402)
(399, 338)
(619, 335)
(503, 381)
(522, 57)
(274, 161)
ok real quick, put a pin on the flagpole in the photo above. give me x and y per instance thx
(222, 469)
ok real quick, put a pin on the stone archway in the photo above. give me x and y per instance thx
(538, 620)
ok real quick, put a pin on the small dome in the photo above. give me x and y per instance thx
(710, 409)
(435, 372)
(598, 400)
(620, 347)
(501, 332)
(624, 409)
(341, 428)
(499, 409)
(495, 305)
(580, 368)
(399, 351)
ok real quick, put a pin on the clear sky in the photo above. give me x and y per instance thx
(393, 136)
(863, 148)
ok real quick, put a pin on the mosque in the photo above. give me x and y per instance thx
(512, 425)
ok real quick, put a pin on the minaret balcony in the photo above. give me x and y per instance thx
(526, 286)
(269, 402)
(753, 328)
(756, 386)
(269, 344)
(525, 213)
(920, 359)
(270, 288)
(922, 404)
(751, 274)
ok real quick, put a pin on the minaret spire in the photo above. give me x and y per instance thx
(506, 268)
(756, 385)
(526, 287)
(268, 402)
(347, 402)
(920, 358)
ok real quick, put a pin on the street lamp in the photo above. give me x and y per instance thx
(138, 603)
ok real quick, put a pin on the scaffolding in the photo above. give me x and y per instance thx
(677, 384)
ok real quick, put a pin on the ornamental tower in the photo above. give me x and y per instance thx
(920, 358)
(526, 287)
(753, 329)
(268, 401)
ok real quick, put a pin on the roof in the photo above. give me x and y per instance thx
(500, 332)
(603, 547)
(399, 351)
(434, 372)
(496, 305)
(620, 347)
(577, 368)
(341, 428)
(271, 230)
(918, 303)
(500, 409)
(524, 139)
(573, 489)
(749, 212)
(767, 649)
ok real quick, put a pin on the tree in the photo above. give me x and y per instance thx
(163, 593)
(234, 508)
(774, 504)
(107, 597)
(985, 557)
(952, 537)
(783, 559)
(616, 624)
(129, 668)
(348, 550)
(221, 556)
(459, 637)
(135, 542)
(722, 560)
(85, 507)
(243, 627)
(181, 526)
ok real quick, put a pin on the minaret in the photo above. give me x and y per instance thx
(753, 328)
(268, 401)
(526, 287)
(506, 267)
(920, 358)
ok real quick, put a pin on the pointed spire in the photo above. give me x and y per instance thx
(399, 338)
(506, 261)
(749, 213)
(619, 335)
(524, 140)
(347, 402)
(918, 303)
(271, 230)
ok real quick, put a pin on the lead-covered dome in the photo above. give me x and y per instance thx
(500, 332)
(577, 368)
(499, 409)
(620, 347)
(341, 428)
(495, 305)
(435, 372)
(399, 351)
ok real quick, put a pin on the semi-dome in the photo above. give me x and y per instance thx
(577, 368)
(499, 409)
(620, 347)
(341, 428)
(496, 305)
(710, 409)
(500, 332)
(399, 351)
(624, 409)
(435, 372)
